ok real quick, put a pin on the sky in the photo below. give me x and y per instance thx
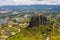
(29, 2)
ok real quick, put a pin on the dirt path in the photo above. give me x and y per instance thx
(47, 38)
(3, 37)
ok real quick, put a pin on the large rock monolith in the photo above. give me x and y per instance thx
(37, 20)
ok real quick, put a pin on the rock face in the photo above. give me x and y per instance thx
(37, 20)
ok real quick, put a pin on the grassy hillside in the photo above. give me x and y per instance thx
(51, 30)
(28, 34)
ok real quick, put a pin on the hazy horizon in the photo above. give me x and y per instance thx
(29, 2)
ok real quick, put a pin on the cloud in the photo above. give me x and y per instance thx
(29, 2)
(38, 0)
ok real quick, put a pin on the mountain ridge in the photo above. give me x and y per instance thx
(55, 8)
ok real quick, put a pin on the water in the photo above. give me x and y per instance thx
(3, 21)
